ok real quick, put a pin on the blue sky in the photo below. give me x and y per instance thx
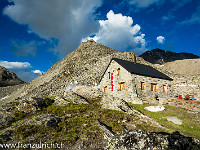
(34, 34)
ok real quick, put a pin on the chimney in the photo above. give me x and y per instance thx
(135, 59)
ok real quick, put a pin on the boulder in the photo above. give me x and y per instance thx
(6, 119)
(5, 136)
(143, 140)
(53, 121)
(174, 119)
(74, 98)
(49, 120)
(88, 92)
(41, 103)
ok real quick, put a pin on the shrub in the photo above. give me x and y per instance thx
(43, 102)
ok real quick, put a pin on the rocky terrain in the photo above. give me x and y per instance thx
(8, 78)
(139, 139)
(184, 67)
(65, 105)
(85, 122)
(186, 75)
(159, 56)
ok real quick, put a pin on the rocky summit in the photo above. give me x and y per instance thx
(66, 107)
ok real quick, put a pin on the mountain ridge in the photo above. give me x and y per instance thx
(159, 56)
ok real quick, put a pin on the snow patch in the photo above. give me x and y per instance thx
(155, 108)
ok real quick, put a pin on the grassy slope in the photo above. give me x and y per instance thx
(79, 123)
(191, 121)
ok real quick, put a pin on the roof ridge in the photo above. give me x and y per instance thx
(141, 69)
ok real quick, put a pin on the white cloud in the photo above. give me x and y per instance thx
(12, 65)
(37, 72)
(195, 18)
(67, 21)
(23, 48)
(160, 39)
(118, 32)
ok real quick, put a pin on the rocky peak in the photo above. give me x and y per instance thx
(88, 42)
(93, 49)
(8, 78)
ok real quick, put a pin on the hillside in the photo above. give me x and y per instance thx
(8, 78)
(185, 67)
(159, 56)
(63, 107)
(84, 65)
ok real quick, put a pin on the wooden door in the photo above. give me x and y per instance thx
(105, 89)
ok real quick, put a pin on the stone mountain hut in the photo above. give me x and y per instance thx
(131, 81)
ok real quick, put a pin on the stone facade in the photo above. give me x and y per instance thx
(187, 85)
(123, 77)
(163, 90)
(128, 86)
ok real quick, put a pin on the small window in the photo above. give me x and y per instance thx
(108, 75)
(118, 71)
(164, 88)
(143, 86)
(154, 87)
(121, 86)
(105, 89)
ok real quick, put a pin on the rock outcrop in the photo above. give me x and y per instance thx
(143, 140)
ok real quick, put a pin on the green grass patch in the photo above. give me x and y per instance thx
(95, 102)
(79, 122)
(24, 131)
(114, 119)
(19, 115)
(16, 123)
(50, 97)
(70, 108)
(190, 126)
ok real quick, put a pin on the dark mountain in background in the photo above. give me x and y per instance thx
(8, 78)
(159, 56)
